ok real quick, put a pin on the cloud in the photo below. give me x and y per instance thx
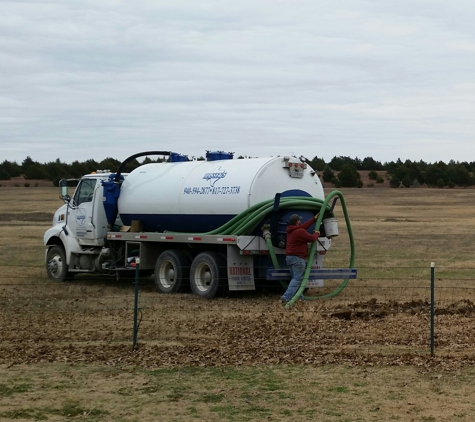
(82, 79)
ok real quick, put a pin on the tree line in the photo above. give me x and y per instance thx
(342, 171)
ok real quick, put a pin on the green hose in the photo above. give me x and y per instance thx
(273, 257)
(245, 222)
(312, 254)
(272, 254)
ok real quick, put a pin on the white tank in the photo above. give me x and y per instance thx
(199, 196)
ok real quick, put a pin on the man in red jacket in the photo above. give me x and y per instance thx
(296, 252)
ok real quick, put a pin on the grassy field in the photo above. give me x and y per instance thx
(65, 350)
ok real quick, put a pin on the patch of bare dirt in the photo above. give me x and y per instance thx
(182, 330)
(372, 309)
(22, 181)
(34, 217)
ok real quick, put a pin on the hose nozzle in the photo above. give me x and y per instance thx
(266, 234)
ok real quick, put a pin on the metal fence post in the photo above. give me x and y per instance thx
(432, 288)
(136, 301)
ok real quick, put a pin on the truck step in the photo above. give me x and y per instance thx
(85, 253)
(322, 273)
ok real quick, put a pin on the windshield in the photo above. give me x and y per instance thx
(85, 191)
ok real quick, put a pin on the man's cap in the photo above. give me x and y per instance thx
(294, 218)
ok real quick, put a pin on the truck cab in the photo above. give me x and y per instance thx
(75, 241)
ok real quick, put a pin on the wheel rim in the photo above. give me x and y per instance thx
(166, 275)
(55, 266)
(203, 277)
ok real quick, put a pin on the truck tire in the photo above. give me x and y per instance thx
(56, 266)
(172, 271)
(208, 274)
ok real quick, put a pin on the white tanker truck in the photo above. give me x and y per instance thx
(211, 224)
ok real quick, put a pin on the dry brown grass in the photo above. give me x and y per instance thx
(364, 355)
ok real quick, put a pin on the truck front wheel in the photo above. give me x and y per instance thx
(56, 266)
(208, 274)
(171, 271)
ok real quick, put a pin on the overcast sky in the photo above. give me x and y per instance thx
(106, 78)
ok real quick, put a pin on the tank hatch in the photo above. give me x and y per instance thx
(219, 155)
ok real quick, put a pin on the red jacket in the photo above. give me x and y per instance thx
(298, 238)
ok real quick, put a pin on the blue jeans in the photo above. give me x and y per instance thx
(297, 267)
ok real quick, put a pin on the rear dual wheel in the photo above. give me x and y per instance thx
(208, 274)
(172, 271)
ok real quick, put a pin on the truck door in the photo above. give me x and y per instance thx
(81, 212)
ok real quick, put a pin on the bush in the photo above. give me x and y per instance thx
(394, 182)
(379, 179)
(328, 175)
(373, 175)
(349, 177)
(406, 181)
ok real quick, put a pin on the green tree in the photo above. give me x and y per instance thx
(349, 177)
(337, 162)
(394, 182)
(392, 166)
(4, 174)
(406, 181)
(369, 163)
(36, 171)
(12, 168)
(148, 160)
(90, 166)
(401, 172)
(328, 174)
(434, 174)
(109, 164)
(33, 170)
(27, 163)
(459, 175)
(415, 170)
(318, 164)
(77, 169)
(56, 170)
(373, 175)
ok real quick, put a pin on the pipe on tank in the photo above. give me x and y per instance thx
(132, 157)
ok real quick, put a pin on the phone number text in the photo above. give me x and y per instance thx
(208, 190)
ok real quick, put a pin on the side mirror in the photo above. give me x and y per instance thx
(64, 195)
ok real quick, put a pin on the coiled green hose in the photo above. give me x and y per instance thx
(247, 221)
